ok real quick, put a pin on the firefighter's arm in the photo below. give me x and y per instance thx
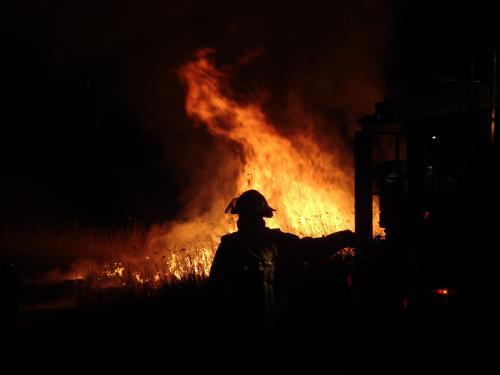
(328, 245)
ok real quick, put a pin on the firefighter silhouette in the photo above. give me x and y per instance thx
(247, 271)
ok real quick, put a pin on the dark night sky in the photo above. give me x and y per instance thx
(91, 106)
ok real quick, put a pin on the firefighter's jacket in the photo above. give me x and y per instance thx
(248, 265)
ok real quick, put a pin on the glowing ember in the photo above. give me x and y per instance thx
(114, 270)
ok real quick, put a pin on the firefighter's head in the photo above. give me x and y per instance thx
(250, 203)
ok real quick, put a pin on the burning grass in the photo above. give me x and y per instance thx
(102, 257)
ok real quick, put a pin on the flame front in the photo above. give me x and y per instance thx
(310, 189)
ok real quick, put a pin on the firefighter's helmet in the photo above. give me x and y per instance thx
(251, 202)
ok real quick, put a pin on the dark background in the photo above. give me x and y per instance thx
(92, 115)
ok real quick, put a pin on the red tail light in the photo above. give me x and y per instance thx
(442, 291)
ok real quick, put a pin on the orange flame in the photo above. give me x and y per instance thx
(311, 190)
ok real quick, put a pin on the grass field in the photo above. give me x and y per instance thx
(107, 310)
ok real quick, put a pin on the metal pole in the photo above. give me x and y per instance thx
(363, 180)
(493, 94)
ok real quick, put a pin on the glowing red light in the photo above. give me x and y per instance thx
(442, 291)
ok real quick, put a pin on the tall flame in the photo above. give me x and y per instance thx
(311, 188)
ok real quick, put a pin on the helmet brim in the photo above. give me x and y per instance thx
(264, 212)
